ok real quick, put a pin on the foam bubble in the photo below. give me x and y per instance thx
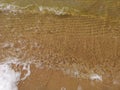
(9, 77)
(96, 77)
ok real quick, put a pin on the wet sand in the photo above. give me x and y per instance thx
(63, 45)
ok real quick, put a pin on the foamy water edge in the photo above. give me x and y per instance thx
(9, 77)
(11, 8)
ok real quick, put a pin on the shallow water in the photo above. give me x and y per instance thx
(59, 51)
(62, 49)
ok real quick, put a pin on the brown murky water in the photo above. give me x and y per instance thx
(69, 49)
(74, 51)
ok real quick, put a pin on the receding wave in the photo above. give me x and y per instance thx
(56, 7)
(9, 8)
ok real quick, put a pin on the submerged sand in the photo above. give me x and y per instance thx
(69, 50)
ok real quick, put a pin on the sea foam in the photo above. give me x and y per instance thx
(9, 8)
(11, 75)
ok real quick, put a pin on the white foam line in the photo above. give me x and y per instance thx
(57, 10)
(26, 67)
(54, 10)
(9, 7)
